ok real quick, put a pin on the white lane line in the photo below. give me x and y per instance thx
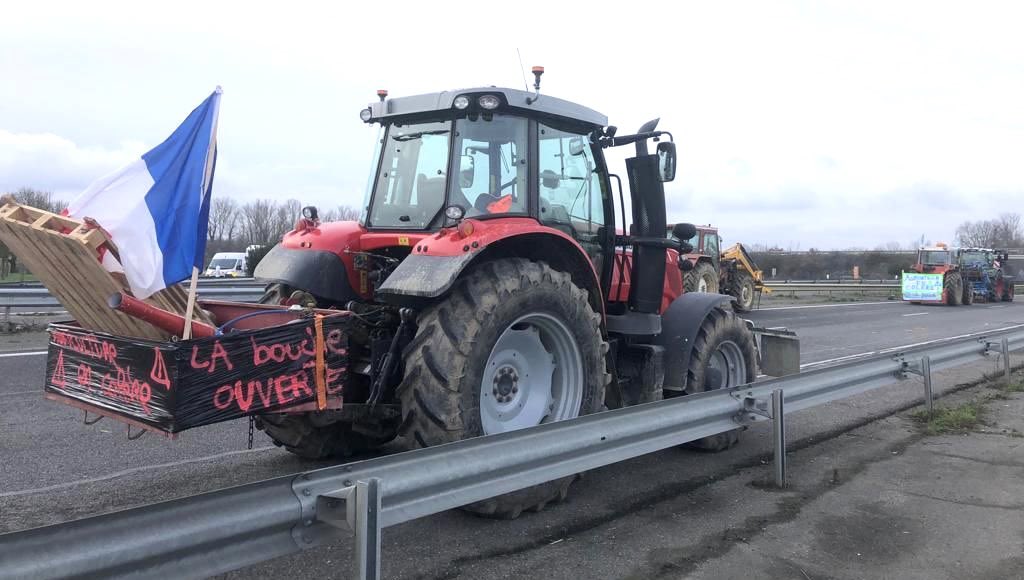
(825, 306)
(33, 353)
(125, 472)
(906, 346)
(916, 314)
(34, 391)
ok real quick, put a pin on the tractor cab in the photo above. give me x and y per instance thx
(935, 259)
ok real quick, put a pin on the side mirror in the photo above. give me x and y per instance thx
(309, 212)
(666, 161)
(577, 145)
(683, 232)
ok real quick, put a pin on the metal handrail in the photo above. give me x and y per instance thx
(229, 529)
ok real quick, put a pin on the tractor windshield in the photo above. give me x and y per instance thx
(975, 257)
(491, 172)
(492, 165)
(935, 257)
(412, 175)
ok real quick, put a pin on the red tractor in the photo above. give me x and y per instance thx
(491, 287)
(937, 277)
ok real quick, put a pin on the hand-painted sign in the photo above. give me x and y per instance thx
(173, 386)
(922, 287)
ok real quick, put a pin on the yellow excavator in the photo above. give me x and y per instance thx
(731, 271)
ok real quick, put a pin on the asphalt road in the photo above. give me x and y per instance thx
(56, 468)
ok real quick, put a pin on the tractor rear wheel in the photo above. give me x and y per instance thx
(743, 291)
(953, 286)
(1008, 292)
(306, 436)
(724, 356)
(513, 345)
(702, 278)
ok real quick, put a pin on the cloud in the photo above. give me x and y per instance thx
(53, 163)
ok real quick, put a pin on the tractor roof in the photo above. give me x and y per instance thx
(512, 98)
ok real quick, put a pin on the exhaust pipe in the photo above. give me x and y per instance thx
(158, 317)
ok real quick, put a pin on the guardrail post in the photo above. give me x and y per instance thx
(926, 373)
(1005, 344)
(779, 436)
(7, 318)
(367, 529)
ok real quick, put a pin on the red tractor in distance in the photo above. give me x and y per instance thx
(731, 271)
(491, 288)
(943, 260)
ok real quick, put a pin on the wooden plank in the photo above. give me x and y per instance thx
(62, 253)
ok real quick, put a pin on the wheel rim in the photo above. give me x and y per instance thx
(728, 361)
(702, 284)
(746, 294)
(533, 375)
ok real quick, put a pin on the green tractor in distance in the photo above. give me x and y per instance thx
(984, 276)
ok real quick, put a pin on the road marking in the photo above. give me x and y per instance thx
(905, 346)
(33, 353)
(34, 391)
(916, 314)
(824, 306)
(125, 472)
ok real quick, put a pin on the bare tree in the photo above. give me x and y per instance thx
(1006, 231)
(343, 213)
(257, 222)
(224, 218)
(39, 199)
(285, 215)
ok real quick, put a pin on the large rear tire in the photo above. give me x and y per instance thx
(968, 293)
(702, 278)
(306, 436)
(1009, 292)
(514, 344)
(743, 291)
(724, 356)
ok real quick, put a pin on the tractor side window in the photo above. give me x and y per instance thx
(492, 164)
(571, 198)
(411, 182)
(711, 244)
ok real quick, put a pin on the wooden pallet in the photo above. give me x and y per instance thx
(63, 253)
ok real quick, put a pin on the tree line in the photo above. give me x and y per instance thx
(233, 226)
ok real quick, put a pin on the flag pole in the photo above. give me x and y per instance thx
(187, 333)
(210, 155)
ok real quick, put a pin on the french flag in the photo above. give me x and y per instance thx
(156, 209)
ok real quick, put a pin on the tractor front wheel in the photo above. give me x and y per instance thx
(514, 344)
(702, 278)
(306, 434)
(724, 355)
(954, 288)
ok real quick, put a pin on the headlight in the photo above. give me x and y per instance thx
(366, 114)
(454, 212)
(461, 102)
(489, 102)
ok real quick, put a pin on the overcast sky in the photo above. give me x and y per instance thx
(799, 124)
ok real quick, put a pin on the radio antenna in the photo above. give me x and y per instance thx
(526, 85)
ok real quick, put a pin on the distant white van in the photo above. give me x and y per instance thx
(226, 265)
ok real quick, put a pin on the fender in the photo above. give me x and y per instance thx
(679, 326)
(320, 272)
(437, 261)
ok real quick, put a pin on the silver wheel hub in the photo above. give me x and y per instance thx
(702, 285)
(533, 375)
(730, 365)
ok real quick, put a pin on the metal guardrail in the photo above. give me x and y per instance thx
(40, 297)
(225, 530)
